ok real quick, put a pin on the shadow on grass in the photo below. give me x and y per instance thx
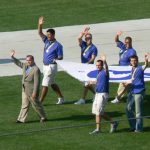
(79, 117)
(145, 129)
(115, 114)
(74, 117)
(88, 101)
(146, 110)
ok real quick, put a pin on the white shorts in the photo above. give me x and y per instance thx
(49, 72)
(99, 103)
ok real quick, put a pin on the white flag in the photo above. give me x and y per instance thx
(89, 72)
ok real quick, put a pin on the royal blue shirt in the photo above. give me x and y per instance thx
(102, 84)
(87, 52)
(138, 84)
(52, 50)
(125, 54)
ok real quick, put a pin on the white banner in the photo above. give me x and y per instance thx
(88, 72)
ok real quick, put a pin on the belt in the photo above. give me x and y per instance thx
(53, 63)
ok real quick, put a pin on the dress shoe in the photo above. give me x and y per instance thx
(19, 121)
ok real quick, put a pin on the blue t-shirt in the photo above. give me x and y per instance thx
(138, 84)
(87, 52)
(102, 84)
(51, 51)
(125, 54)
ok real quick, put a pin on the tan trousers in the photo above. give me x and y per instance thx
(36, 104)
(122, 91)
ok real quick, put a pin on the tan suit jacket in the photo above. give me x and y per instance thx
(30, 82)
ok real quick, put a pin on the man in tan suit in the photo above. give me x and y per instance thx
(30, 88)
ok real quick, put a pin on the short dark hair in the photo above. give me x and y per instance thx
(134, 57)
(129, 38)
(52, 31)
(32, 57)
(89, 35)
(100, 61)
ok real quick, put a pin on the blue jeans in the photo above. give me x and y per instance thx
(135, 104)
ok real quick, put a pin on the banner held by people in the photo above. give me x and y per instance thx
(88, 72)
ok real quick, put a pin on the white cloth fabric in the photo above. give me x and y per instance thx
(99, 103)
(49, 72)
(87, 72)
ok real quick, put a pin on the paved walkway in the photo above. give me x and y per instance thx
(28, 42)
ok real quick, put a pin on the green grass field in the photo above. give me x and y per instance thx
(65, 115)
(21, 15)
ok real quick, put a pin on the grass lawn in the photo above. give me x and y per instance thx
(21, 15)
(66, 115)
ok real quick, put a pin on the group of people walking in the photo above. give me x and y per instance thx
(53, 51)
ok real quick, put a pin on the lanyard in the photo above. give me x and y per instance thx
(99, 72)
(47, 49)
(133, 74)
(123, 53)
(86, 49)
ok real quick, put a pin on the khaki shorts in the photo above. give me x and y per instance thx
(99, 103)
(49, 72)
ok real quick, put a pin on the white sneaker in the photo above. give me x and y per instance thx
(136, 131)
(113, 127)
(94, 132)
(60, 101)
(80, 101)
(115, 101)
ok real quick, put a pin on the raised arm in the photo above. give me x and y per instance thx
(117, 36)
(86, 30)
(103, 58)
(146, 61)
(40, 25)
(15, 60)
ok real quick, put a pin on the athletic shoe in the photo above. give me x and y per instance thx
(80, 101)
(43, 120)
(113, 127)
(115, 101)
(60, 101)
(96, 131)
(136, 131)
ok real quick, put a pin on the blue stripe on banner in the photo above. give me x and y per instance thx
(119, 72)
(123, 78)
(93, 74)
(146, 75)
